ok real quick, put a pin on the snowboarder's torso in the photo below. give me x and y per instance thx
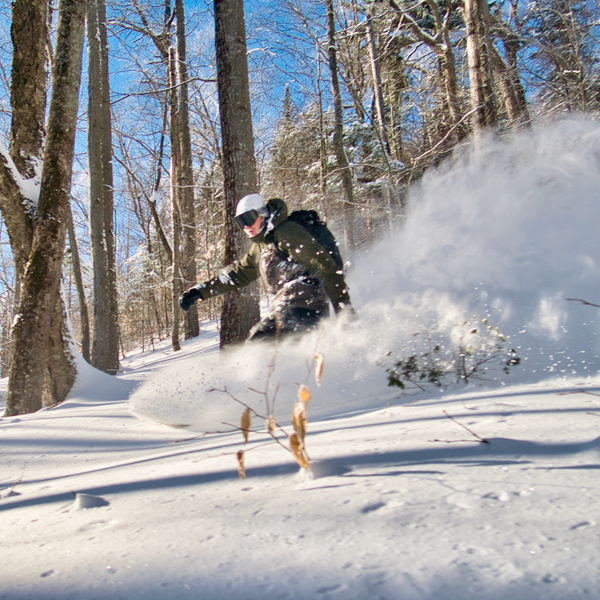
(293, 266)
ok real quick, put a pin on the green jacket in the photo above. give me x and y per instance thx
(283, 253)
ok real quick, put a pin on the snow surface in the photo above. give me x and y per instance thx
(481, 491)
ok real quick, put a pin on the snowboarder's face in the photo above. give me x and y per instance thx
(254, 229)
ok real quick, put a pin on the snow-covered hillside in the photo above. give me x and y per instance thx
(461, 492)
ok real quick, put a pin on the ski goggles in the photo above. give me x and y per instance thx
(248, 218)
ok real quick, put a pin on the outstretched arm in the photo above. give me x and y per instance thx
(242, 274)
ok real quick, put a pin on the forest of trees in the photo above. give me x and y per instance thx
(129, 129)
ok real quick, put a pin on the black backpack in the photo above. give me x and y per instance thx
(310, 220)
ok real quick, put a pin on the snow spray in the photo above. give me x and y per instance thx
(503, 239)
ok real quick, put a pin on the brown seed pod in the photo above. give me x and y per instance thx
(299, 420)
(297, 448)
(271, 425)
(241, 467)
(304, 395)
(246, 424)
(320, 363)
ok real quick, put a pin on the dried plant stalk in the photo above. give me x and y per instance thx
(304, 395)
(297, 448)
(241, 467)
(246, 424)
(299, 420)
(319, 368)
(271, 425)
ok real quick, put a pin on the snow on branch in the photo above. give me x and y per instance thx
(29, 188)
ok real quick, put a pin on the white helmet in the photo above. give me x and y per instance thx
(249, 208)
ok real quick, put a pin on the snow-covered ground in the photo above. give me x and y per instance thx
(479, 492)
(403, 503)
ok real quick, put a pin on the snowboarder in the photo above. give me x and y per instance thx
(301, 273)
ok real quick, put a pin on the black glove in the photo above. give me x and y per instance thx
(188, 298)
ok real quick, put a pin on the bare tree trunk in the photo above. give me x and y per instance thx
(83, 309)
(338, 132)
(188, 213)
(511, 47)
(176, 194)
(322, 133)
(379, 104)
(501, 72)
(6, 329)
(29, 80)
(105, 345)
(513, 91)
(393, 199)
(41, 282)
(506, 85)
(396, 141)
(448, 67)
(240, 309)
(60, 372)
(107, 172)
(480, 83)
